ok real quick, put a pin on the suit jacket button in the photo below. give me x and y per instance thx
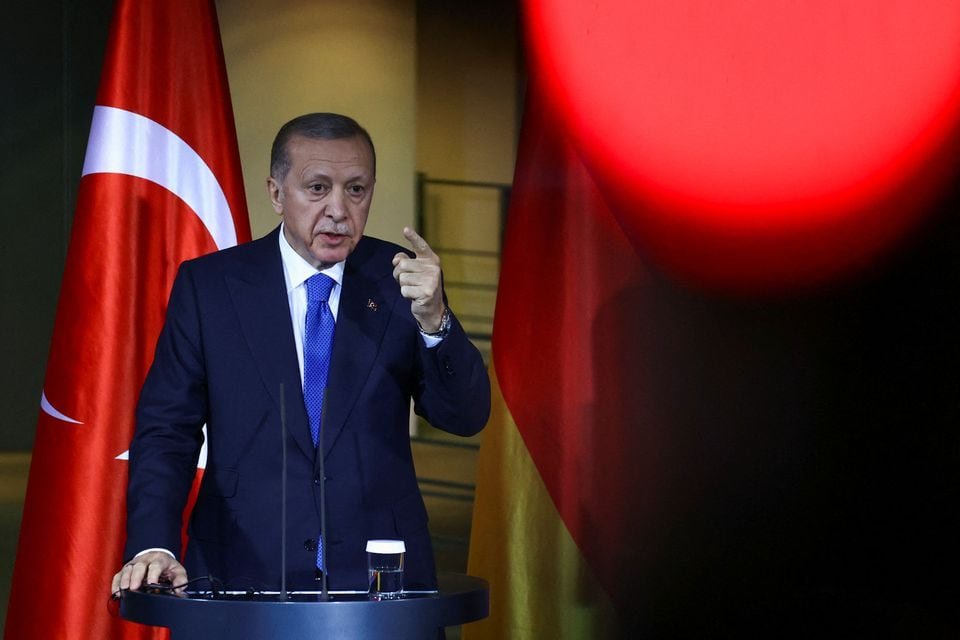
(310, 544)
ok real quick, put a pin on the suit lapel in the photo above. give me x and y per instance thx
(366, 304)
(260, 299)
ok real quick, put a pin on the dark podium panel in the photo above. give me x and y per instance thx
(347, 616)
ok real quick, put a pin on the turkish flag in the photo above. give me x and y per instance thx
(161, 184)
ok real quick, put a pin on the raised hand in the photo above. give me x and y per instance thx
(419, 280)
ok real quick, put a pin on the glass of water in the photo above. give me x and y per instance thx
(385, 568)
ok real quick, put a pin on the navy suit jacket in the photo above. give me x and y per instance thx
(226, 358)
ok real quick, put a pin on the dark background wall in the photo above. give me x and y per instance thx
(52, 53)
(810, 446)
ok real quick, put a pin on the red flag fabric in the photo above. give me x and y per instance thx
(161, 183)
(555, 453)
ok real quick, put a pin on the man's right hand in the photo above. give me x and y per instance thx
(150, 568)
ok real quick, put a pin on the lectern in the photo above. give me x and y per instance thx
(344, 616)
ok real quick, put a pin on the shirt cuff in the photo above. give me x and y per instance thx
(161, 549)
(430, 341)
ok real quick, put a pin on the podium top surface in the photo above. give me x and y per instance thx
(459, 600)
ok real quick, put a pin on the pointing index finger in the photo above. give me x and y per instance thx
(417, 243)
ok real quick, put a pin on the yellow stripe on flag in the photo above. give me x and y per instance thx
(540, 584)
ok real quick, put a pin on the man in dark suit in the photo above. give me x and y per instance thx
(231, 356)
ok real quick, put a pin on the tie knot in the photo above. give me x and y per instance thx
(319, 287)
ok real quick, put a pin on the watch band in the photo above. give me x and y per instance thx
(444, 326)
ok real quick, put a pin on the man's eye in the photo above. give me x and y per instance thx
(317, 188)
(357, 189)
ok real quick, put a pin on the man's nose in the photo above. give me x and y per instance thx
(337, 204)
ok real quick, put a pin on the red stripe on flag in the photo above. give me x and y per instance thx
(567, 302)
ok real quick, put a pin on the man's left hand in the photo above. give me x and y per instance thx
(419, 280)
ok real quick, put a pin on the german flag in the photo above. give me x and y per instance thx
(550, 502)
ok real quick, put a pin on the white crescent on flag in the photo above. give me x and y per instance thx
(50, 410)
(130, 144)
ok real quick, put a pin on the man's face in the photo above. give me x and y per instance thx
(325, 197)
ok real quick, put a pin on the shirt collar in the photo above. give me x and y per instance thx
(296, 270)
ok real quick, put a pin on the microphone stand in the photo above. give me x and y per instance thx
(283, 495)
(324, 594)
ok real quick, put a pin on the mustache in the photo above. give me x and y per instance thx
(336, 228)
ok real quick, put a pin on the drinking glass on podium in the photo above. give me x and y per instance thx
(385, 568)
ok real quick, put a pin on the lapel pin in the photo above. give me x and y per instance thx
(371, 304)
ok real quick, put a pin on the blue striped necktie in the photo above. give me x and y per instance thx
(317, 344)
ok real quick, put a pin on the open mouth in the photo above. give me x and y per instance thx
(332, 238)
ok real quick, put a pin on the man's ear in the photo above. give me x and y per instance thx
(275, 193)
